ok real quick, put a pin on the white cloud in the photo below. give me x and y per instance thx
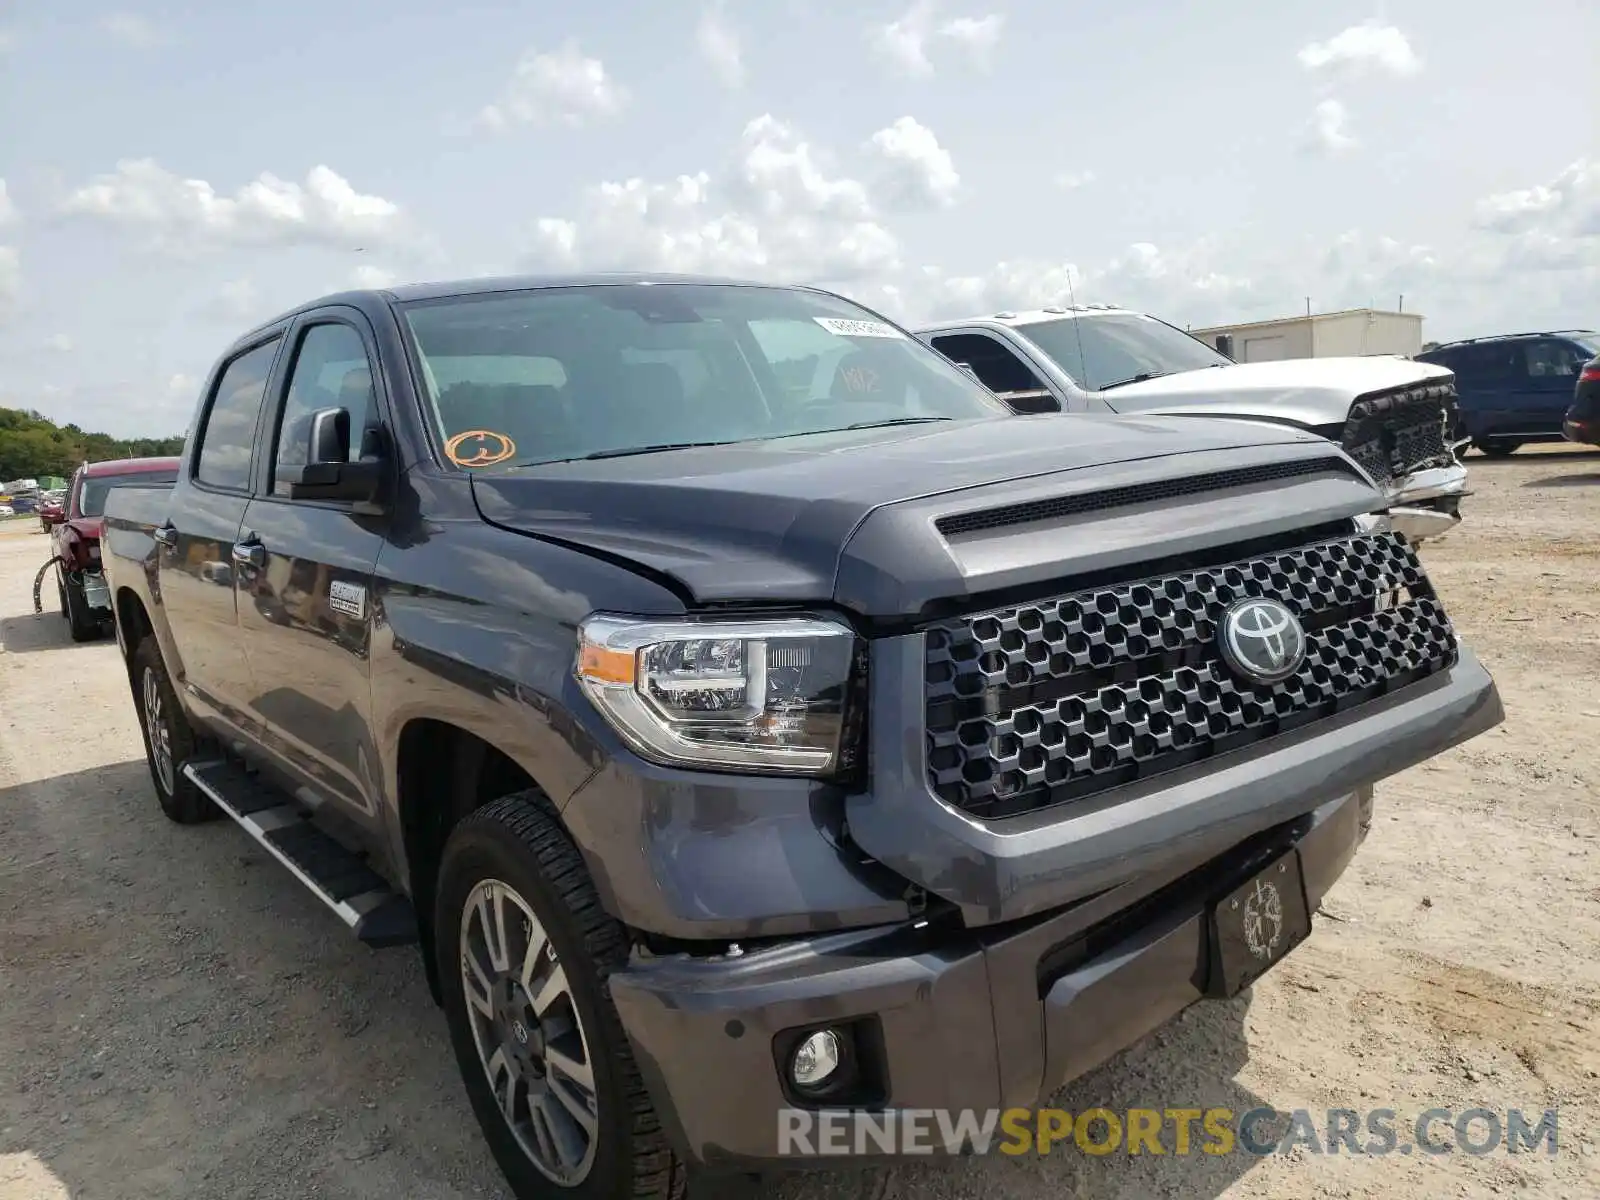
(58, 342)
(719, 45)
(905, 41)
(977, 35)
(918, 172)
(563, 86)
(369, 275)
(774, 213)
(185, 214)
(1328, 130)
(8, 41)
(1570, 201)
(1071, 181)
(133, 30)
(1371, 46)
(8, 210)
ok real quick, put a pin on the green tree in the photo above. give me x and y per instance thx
(32, 445)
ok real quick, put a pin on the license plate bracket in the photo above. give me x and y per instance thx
(1256, 924)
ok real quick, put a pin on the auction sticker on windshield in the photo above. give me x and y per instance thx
(848, 328)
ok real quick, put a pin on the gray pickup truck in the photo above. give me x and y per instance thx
(740, 739)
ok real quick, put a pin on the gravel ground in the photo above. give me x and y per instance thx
(178, 1018)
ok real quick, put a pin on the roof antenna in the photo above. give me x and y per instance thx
(1077, 329)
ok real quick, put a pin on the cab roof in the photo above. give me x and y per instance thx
(130, 466)
(1014, 318)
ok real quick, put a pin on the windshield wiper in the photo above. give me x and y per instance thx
(895, 421)
(624, 451)
(1140, 378)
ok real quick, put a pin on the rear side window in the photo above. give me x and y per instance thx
(330, 371)
(230, 426)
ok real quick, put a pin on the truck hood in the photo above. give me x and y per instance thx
(88, 528)
(1305, 391)
(786, 520)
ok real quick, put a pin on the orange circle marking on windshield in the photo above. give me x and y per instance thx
(479, 448)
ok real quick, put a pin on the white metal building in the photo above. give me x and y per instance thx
(1353, 331)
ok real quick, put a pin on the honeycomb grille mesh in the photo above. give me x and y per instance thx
(1054, 700)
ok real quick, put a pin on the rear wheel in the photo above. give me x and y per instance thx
(523, 951)
(169, 740)
(82, 623)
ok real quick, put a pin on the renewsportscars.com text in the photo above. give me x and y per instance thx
(1171, 1131)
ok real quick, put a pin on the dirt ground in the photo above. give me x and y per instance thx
(178, 1018)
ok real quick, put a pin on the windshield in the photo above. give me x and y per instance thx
(1105, 350)
(559, 373)
(93, 491)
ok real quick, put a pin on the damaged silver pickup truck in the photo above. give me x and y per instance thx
(1389, 413)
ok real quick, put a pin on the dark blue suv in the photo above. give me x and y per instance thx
(1516, 387)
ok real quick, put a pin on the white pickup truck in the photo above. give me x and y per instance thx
(1391, 414)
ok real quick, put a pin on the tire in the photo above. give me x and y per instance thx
(1496, 449)
(514, 850)
(180, 799)
(82, 624)
(61, 593)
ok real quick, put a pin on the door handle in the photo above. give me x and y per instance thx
(167, 535)
(250, 554)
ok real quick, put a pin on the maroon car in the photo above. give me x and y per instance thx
(75, 540)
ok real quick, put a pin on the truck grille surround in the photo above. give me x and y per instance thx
(1393, 433)
(1050, 701)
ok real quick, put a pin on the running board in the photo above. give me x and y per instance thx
(341, 879)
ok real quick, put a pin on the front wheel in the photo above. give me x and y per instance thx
(524, 951)
(169, 739)
(1496, 449)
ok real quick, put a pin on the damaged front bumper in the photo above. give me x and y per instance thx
(1427, 502)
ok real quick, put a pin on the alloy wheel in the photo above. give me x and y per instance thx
(155, 723)
(528, 1032)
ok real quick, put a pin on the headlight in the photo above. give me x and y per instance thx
(1377, 522)
(757, 695)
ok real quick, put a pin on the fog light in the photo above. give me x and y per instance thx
(816, 1059)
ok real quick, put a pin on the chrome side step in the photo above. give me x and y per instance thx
(341, 879)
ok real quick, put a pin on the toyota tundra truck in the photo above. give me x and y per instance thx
(737, 738)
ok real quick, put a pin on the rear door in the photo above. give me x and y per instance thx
(195, 568)
(303, 577)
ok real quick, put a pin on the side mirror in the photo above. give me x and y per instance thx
(328, 473)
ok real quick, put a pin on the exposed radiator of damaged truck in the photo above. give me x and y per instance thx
(1394, 433)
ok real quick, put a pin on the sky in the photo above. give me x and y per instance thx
(173, 173)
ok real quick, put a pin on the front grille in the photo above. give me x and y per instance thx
(1393, 433)
(1051, 701)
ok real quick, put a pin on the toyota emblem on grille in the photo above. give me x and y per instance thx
(1262, 640)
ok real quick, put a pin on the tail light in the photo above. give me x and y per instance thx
(1590, 373)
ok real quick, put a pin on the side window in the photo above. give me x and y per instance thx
(330, 371)
(229, 432)
(996, 366)
(1548, 358)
